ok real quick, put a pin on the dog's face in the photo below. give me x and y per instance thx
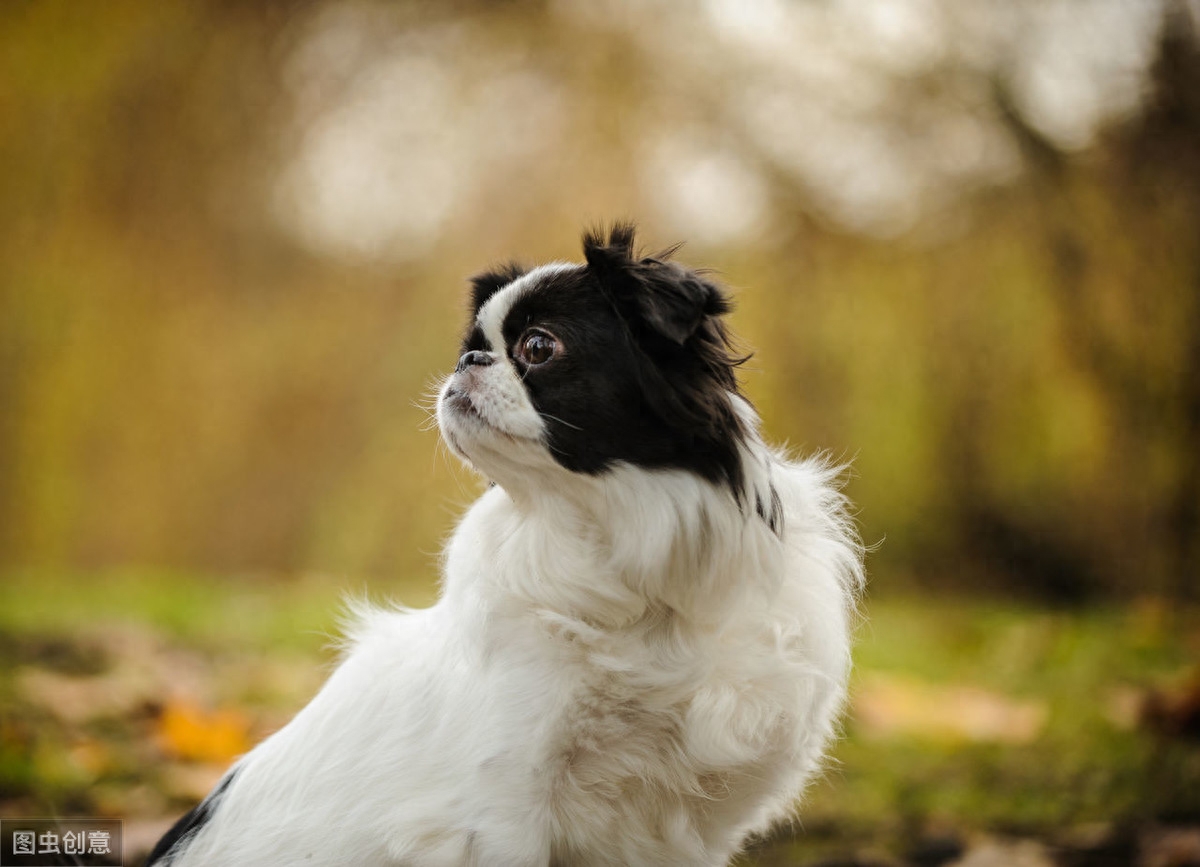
(582, 367)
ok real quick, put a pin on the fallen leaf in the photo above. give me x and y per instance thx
(886, 706)
(76, 700)
(1006, 853)
(193, 733)
(1171, 847)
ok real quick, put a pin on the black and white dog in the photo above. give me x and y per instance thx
(642, 641)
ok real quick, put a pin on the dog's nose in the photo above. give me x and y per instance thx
(473, 358)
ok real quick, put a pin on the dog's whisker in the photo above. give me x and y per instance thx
(559, 420)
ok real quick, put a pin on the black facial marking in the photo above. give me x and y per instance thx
(189, 825)
(487, 284)
(474, 341)
(643, 370)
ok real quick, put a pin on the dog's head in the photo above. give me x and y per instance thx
(622, 360)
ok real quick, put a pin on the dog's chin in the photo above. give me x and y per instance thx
(457, 402)
(462, 425)
(488, 445)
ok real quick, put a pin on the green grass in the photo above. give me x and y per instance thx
(249, 611)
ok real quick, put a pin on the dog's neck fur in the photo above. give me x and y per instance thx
(621, 546)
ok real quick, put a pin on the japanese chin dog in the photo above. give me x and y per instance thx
(643, 636)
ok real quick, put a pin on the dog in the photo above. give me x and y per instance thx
(642, 641)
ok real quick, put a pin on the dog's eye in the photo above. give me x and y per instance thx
(536, 347)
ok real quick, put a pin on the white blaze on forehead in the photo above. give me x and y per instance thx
(492, 314)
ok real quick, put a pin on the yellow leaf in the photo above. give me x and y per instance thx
(193, 733)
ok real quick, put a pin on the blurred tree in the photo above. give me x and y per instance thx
(1123, 264)
(235, 237)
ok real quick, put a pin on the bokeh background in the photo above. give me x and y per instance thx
(964, 238)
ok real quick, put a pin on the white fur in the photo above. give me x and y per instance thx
(622, 669)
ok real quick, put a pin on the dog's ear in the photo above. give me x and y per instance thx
(675, 301)
(487, 284)
(667, 298)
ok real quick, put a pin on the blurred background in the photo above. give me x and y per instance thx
(964, 239)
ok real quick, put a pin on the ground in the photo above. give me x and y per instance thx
(979, 733)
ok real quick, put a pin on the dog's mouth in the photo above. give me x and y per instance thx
(470, 410)
(460, 401)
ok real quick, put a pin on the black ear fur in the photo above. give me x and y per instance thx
(669, 299)
(487, 284)
(677, 301)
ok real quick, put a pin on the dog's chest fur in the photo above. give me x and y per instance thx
(609, 760)
(623, 785)
(648, 741)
